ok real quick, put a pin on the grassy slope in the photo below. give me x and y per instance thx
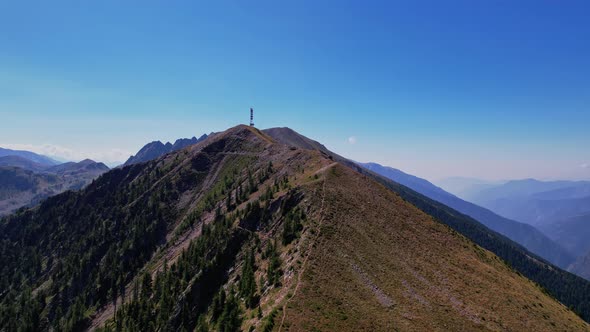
(566, 287)
(375, 250)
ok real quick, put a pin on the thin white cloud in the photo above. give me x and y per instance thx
(110, 156)
(586, 165)
(352, 140)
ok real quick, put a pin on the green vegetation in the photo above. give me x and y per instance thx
(269, 322)
(221, 190)
(79, 251)
(183, 291)
(274, 273)
(82, 247)
(292, 225)
(247, 285)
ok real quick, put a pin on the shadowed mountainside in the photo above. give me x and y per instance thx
(572, 233)
(581, 266)
(37, 158)
(24, 163)
(31, 183)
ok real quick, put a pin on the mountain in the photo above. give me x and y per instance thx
(521, 188)
(31, 183)
(24, 163)
(156, 149)
(513, 253)
(579, 190)
(20, 187)
(241, 232)
(536, 202)
(535, 211)
(39, 159)
(463, 187)
(572, 233)
(84, 166)
(526, 235)
(290, 137)
(581, 266)
(560, 209)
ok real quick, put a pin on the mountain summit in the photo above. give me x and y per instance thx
(156, 149)
(243, 232)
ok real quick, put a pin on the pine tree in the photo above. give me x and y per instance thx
(274, 265)
(146, 286)
(230, 319)
(247, 285)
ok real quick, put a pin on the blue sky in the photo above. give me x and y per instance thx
(488, 89)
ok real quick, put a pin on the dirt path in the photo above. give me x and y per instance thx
(303, 266)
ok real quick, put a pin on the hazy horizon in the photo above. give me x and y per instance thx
(475, 90)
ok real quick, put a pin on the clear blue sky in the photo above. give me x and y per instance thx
(489, 89)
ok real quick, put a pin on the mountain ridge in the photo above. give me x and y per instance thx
(38, 182)
(21, 162)
(156, 149)
(527, 263)
(241, 231)
(37, 158)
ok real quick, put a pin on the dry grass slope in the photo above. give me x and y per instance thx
(380, 264)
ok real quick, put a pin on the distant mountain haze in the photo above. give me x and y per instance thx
(465, 187)
(538, 212)
(24, 163)
(581, 266)
(572, 233)
(37, 158)
(522, 188)
(26, 182)
(560, 209)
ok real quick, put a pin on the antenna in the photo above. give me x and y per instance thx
(251, 117)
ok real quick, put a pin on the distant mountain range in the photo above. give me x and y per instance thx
(40, 177)
(464, 187)
(25, 182)
(31, 156)
(24, 163)
(573, 233)
(156, 149)
(581, 266)
(560, 209)
(522, 189)
(526, 235)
